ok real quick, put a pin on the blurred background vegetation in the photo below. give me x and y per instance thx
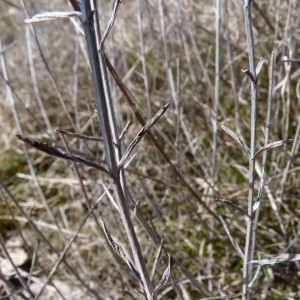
(163, 51)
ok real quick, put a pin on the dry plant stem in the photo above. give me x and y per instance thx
(179, 152)
(267, 138)
(105, 114)
(286, 88)
(247, 268)
(231, 70)
(75, 69)
(217, 94)
(143, 58)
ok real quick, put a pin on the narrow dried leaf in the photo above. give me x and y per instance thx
(273, 145)
(141, 133)
(232, 205)
(46, 16)
(234, 136)
(117, 248)
(79, 135)
(62, 154)
(125, 130)
(235, 245)
(158, 253)
(165, 277)
(283, 257)
(111, 21)
(259, 66)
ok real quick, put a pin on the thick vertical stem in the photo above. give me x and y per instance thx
(247, 268)
(109, 132)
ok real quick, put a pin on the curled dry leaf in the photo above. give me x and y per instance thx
(234, 136)
(273, 145)
(118, 249)
(165, 277)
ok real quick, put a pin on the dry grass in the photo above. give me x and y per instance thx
(45, 200)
